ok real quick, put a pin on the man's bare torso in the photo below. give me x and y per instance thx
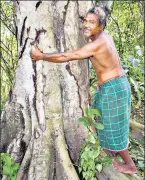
(106, 61)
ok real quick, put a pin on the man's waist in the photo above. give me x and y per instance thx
(100, 81)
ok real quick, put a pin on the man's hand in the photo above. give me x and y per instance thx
(36, 54)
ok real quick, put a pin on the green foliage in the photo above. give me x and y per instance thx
(90, 162)
(8, 49)
(126, 27)
(9, 167)
(136, 149)
(89, 119)
(91, 112)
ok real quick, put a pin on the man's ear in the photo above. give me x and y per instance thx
(102, 26)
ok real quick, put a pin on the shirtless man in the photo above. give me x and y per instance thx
(112, 96)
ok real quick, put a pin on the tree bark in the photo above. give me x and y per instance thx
(136, 126)
(47, 99)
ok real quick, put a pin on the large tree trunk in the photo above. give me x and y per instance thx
(39, 122)
(47, 99)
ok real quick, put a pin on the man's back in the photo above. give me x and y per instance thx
(106, 61)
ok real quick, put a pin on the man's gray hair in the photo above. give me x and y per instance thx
(102, 13)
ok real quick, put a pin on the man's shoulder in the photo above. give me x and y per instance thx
(104, 39)
(101, 40)
(104, 36)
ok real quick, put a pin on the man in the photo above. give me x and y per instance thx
(113, 94)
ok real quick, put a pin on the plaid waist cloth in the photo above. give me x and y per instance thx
(113, 99)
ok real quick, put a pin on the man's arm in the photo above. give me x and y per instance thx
(77, 54)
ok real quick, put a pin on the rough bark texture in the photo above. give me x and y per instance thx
(109, 173)
(47, 99)
(39, 122)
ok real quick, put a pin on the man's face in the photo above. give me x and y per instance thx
(91, 25)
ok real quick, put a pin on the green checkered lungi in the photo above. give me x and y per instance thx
(114, 102)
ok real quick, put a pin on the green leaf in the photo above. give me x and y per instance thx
(80, 169)
(84, 174)
(11, 172)
(90, 154)
(8, 161)
(13, 177)
(99, 126)
(94, 87)
(93, 178)
(86, 123)
(87, 148)
(97, 152)
(91, 139)
(84, 156)
(84, 168)
(141, 164)
(91, 174)
(92, 162)
(94, 134)
(135, 84)
(15, 167)
(99, 167)
(93, 111)
(87, 111)
(4, 156)
(82, 119)
(107, 160)
(12, 161)
(6, 170)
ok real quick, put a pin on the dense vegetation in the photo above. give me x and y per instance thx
(125, 25)
(8, 47)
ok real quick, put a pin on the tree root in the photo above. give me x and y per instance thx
(65, 159)
(110, 173)
(26, 161)
(61, 148)
(28, 128)
(136, 125)
(15, 148)
(36, 130)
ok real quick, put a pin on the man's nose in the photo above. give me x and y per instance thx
(87, 25)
